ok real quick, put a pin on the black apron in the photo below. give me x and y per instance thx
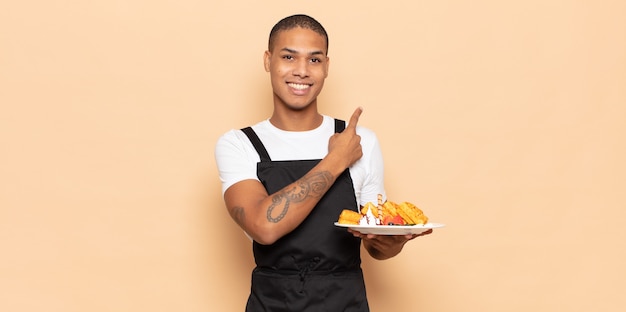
(316, 267)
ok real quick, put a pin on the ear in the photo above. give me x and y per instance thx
(327, 63)
(266, 60)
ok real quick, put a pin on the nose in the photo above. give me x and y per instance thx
(301, 68)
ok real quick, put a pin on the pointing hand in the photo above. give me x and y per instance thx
(346, 146)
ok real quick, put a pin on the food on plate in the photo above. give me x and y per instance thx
(370, 207)
(411, 214)
(397, 220)
(387, 213)
(389, 209)
(368, 218)
(349, 217)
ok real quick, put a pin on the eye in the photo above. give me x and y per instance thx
(288, 57)
(316, 60)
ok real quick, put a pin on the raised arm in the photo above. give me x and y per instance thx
(268, 217)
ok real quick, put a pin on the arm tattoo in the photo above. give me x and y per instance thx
(314, 185)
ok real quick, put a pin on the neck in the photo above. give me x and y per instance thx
(303, 120)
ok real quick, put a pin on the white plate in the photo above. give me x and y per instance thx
(391, 229)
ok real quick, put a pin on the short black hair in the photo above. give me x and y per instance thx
(293, 21)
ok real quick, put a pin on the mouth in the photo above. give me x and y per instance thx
(298, 86)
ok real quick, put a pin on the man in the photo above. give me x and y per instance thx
(286, 180)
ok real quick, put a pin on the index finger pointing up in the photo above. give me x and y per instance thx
(355, 118)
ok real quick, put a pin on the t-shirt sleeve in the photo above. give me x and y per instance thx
(236, 158)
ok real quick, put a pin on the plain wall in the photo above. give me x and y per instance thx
(502, 119)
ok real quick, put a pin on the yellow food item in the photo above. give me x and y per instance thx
(389, 209)
(370, 206)
(349, 217)
(411, 214)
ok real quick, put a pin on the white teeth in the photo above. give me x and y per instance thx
(298, 86)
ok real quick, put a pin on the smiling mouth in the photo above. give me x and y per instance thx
(299, 86)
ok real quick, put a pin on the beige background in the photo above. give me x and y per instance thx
(502, 119)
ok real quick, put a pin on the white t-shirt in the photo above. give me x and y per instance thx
(237, 159)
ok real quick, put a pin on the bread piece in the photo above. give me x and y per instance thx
(389, 209)
(349, 217)
(370, 206)
(411, 214)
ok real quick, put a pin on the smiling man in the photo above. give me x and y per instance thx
(286, 179)
(298, 66)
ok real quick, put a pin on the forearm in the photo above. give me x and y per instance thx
(286, 209)
(270, 217)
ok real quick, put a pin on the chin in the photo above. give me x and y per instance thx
(297, 106)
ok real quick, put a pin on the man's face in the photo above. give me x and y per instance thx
(298, 66)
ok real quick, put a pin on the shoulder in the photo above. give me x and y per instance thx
(235, 145)
(369, 140)
(366, 132)
(233, 139)
(235, 158)
(237, 137)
